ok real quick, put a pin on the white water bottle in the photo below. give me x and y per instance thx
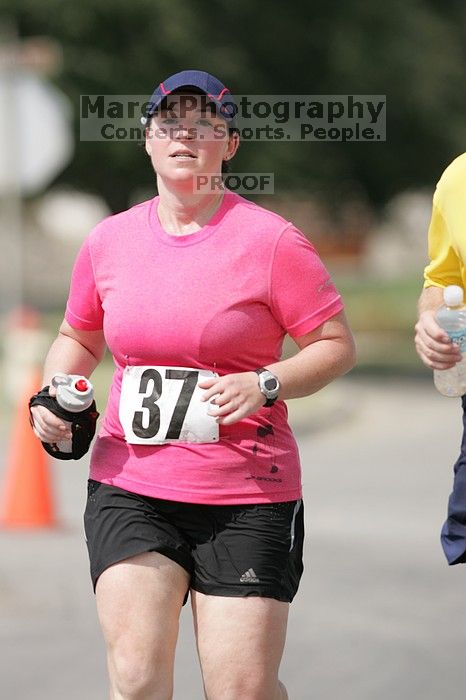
(75, 393)
(452, 318)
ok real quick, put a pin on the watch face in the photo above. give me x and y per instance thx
(270, 384)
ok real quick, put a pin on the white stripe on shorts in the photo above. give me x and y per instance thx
(295, 512)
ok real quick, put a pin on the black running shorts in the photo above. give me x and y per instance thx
(238, 550)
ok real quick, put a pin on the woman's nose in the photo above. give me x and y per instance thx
(183, 131)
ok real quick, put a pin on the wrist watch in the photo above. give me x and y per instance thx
(269, 385)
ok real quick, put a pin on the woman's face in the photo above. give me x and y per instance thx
(186, 139)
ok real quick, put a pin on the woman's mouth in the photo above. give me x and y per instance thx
(183, 155)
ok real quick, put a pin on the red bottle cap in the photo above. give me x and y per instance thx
(81, 385)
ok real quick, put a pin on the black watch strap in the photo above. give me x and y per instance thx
(270, 402)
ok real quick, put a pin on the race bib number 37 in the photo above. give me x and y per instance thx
(160, 405)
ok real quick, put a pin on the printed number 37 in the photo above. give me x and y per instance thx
(189, 378)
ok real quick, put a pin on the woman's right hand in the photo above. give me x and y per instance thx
(433, 345)
(47, 426)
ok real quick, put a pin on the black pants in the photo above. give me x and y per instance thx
(453, 535)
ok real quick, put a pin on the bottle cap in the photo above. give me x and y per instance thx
(74, 392)
(453, 295)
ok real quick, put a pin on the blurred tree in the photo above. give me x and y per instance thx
(413, 51)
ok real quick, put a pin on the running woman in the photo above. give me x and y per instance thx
(195, 480)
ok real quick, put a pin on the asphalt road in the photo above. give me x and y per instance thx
(379, 615)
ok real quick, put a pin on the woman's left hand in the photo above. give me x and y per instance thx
(239, 396)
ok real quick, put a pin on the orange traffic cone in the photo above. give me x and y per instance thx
(27, 499)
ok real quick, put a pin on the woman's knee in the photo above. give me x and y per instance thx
(139, 602)
(137, 676)
(243, 685)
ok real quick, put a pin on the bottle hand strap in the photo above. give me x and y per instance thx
(83, 425)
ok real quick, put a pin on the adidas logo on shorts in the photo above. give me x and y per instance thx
(249, 576)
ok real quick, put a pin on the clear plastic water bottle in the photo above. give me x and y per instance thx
(452, 318)
(75, 393)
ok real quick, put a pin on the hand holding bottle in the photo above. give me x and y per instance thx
(451, 317)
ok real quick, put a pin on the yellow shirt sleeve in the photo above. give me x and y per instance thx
(444, 267)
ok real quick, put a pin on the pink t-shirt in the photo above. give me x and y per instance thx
(220, 299)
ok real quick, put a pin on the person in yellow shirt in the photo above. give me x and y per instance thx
(447, 253)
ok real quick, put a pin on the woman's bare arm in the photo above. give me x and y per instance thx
(72, 352)
(325, 354)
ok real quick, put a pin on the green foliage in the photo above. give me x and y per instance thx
(411, 50)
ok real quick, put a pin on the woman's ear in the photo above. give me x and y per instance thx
(233, 145)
